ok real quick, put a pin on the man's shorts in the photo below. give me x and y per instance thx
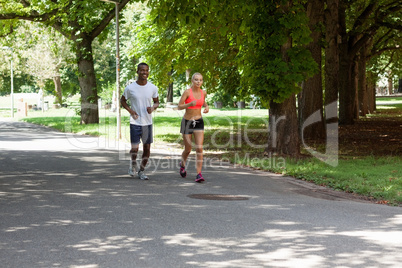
(189, 126)
(143, 133)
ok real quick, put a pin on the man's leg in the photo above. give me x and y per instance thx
(133, 154)
(145, 155)
(135, 133)
(147, 139)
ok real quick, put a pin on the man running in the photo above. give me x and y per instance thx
(140, 93)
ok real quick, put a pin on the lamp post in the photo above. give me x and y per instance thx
(12, 81)
(118, 111)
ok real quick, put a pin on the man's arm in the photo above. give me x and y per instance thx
(156, 105)
(123, 102)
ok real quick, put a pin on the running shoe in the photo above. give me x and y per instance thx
(183, 171)
(142, 175)
(132, 169)
(199, 178)
(131, 172)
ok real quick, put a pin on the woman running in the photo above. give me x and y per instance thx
(192, 123)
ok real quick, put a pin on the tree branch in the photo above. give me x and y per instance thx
(365, 14)
(102, 25)
(25, 3)
(380, 51)
(384, 36)
(33, 16)
(391, 8)
(59, 26)
(390, 25)
(388, 64)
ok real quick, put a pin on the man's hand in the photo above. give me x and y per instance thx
(150, 109)
(134, 114)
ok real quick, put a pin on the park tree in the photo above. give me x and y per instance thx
(310, 99)
(384, 59)
(275, 67)
(79, 21)
(263, 43)
(43, 52)
(359, 22)
(331, 65)
(182, 36)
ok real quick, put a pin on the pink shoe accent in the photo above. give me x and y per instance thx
(183, 171)
(199, 178)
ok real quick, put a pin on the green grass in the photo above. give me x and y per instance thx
(390, 107)
(240, 135)
(374, 177)
(389, 99)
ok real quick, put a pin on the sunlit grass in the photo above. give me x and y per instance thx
(377, 177)
(389, 99)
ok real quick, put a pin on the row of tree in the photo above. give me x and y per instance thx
(324, 51)
(80, 22)
(327, 52)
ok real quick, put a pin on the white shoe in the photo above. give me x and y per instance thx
(132, 169)
(142, 175)
(131, 172)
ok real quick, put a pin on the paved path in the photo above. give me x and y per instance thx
(66, 201)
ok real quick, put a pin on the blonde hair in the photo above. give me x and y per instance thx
(192, 78)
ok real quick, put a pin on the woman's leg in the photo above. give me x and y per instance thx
(187, 148)
(199, 141)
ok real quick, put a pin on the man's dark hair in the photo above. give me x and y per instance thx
(141, 64)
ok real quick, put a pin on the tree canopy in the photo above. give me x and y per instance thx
(243, 48)
(79, 21)
(230, 40)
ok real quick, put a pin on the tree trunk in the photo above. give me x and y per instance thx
(283, 136)
(371, 97)
(355, 89)
(87, 80)
(362, 84)
(57, 88)
(331, 52)
(371, 92)
(390, 84)
(169, 96)
(400, 86)
(346, 90)
(346, 73)
(311, 97)
(374, 102)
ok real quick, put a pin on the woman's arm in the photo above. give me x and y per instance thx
(206, 110)
(182, 105)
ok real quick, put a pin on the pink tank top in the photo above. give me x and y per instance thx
(191, 98)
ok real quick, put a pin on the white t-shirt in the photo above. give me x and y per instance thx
(140, 98)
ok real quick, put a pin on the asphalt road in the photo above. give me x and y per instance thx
(67, 201)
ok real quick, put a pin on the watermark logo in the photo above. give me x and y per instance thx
(330, 156)
(230, 133)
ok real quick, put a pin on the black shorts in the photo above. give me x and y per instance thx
(189, 126)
